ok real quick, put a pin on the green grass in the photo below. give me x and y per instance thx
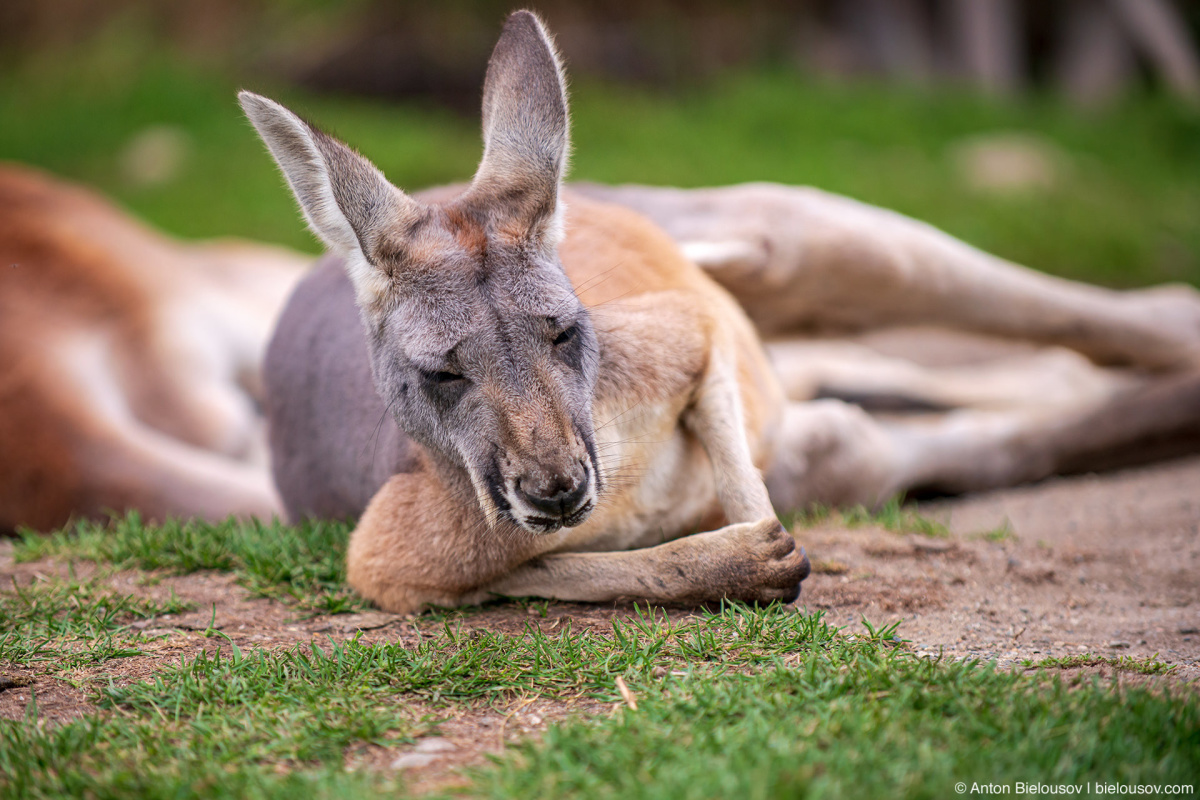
(303, 565)
(753, 703)
(209, 756)
(71, 623)
(1123, 213)
(875, 725)
(1150, 665)
(246, 716)
(892, 516)
(739, 702)
(1001, 533)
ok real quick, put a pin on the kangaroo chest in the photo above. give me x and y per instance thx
(658, 481)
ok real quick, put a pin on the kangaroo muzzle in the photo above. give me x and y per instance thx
(547, 499)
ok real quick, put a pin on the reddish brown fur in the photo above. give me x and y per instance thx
(51, 282)
(613, 254)
(440, 563)
(469, 234)
(74, 270)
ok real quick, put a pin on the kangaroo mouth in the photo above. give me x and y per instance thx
(507, 498)
(543, 524)
(542, 512)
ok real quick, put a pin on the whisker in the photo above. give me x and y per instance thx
(596, 279)
(378, 427)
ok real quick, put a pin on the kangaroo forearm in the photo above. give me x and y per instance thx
(597, 578)
(743, 562)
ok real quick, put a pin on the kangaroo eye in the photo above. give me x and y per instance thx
(566, 336)
(444, 377)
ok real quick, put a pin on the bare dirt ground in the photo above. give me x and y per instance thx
(1106, 564)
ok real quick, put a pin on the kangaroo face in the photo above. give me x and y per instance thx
(485, 356)
(478, 344)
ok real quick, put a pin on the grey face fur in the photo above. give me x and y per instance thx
(478, 344)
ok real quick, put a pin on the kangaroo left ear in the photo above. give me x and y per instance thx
(345, 199)
(525, 128)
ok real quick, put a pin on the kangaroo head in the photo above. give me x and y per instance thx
(478, 344)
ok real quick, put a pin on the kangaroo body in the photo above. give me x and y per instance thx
(574, 395)
(657, 325)
(651, 358)
(571, 386)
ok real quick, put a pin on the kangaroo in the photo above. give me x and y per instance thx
(130, 365)
(129, 362)
(568, 384)
(573, 395)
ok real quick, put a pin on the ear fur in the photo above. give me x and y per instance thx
(347, 201)
(525, 124)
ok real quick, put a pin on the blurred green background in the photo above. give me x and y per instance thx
(137, 99)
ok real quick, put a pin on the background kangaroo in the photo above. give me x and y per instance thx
(568, 385)
(129, 362)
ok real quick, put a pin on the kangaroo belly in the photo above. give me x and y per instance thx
(333, 444)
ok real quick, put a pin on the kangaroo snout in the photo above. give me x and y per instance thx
(558, 496)
(554, 498)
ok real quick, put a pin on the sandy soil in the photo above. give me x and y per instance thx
(1104, 564)
(1107, 564)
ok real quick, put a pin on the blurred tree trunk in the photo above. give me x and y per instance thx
(1093, 48)
(1095, 61)
(1160, 33)
(988, 45)
(897, 35)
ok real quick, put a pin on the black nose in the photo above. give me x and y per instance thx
(556, 497)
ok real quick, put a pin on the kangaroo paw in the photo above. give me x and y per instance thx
(768, 565)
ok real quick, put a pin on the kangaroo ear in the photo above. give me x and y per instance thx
(525, 126)
(345, 199)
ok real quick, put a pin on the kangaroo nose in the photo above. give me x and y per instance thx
(558, 496)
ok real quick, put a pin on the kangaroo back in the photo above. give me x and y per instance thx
(333, 443)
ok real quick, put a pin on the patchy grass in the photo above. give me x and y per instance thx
(738, 703)
(258, 719)
(749, 702)
(119, 756)
(892, 516)
(880, 724)
(1149, 665)
(1001, 533)
(456, 666)
(303, 565)
(72, 623)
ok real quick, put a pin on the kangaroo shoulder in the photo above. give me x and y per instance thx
(612, 252)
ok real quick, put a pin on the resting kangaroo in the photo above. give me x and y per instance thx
(129, 367)
(537, 425)
(129, 362)
(574, 395)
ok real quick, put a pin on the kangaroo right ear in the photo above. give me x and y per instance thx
(345, 198)
(525, 127)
